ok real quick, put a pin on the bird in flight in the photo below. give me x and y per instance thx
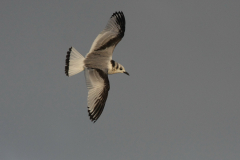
(98, 63)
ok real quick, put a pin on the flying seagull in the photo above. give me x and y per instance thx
(98, 64)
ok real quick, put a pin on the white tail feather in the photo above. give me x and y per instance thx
(74, 62)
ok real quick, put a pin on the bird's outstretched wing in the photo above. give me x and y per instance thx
(112, 34)
(98, 87)
(107, 40)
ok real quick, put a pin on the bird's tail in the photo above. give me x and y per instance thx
(74, 62)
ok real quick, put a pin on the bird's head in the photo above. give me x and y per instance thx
(121, 69)
(117, 68)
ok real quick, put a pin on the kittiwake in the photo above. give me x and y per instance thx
(98, 63)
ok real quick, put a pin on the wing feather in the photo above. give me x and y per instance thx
(98, 87)
(102, 48)
(112, 34)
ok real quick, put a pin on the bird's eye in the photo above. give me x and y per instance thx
(120, 68)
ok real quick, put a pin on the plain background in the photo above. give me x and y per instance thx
(180, 102)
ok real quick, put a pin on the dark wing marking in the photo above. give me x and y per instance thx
(102, 48)
(112, 34)
(98, 87)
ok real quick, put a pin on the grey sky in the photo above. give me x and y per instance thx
(180, 102)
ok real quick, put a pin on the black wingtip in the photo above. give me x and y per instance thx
(91, 116)
(96, 113)
(120, 17)
(67, 61)
(120, 20)
(116, 13)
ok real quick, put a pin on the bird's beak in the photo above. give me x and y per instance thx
(126, 73)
